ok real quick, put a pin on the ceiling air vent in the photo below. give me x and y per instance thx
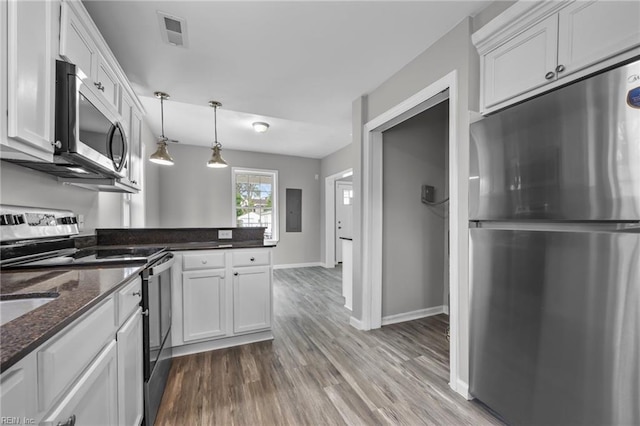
(173, 29)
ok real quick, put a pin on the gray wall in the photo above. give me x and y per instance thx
(26, 187)
(413, 256)
(193, 195)
(453, 51)
(331, 164)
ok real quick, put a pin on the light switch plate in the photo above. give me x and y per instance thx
(224, 234)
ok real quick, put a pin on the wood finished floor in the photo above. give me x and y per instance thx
(321, 371)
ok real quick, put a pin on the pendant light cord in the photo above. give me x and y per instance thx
(215, 125)
(162, 115)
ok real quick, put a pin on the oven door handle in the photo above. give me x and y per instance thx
(157, 270)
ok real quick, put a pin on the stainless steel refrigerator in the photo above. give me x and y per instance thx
(555, 255)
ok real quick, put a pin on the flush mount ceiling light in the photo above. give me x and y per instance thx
(216, 159)
(260, 126)
(161, 156)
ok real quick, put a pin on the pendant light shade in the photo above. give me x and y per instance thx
(216, 160)
(161, 156)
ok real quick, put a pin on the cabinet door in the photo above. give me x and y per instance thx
(18, 391)
(93, 398)
(130, 373)
(203, 304)
(251, 299)
(593, 31)
(107, 83)
(30, 84)
(76, 46)
(521, 64)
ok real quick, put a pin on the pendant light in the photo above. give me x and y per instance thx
(161, 156)
(216, 159)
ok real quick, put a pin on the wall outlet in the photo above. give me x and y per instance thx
(224, 234)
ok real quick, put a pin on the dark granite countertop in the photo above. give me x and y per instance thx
(201, 245)
(79, 289)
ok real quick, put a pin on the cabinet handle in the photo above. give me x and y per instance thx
(235, 273)
(57, 144)
(549, 75)
(204, 261)
(135, 182)
(71, 421)
(99, 85)
(252, 259)
(145, 312)
(136, 293)
(560, 68)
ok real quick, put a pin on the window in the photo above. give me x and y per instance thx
(255, 200)
(347, 196)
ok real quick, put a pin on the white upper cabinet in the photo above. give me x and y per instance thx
(596, 30)
(78, 47)
(523, 63)
(533, 47)
(30, 80)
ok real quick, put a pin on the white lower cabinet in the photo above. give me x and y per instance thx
(90, 373)
(203, 299)
(130, 371)
(221, 298)
(251, 299)
(94, 397)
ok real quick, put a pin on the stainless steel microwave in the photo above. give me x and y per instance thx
(90, 146)
(87, 131)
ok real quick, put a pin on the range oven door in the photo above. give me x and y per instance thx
(156, 329)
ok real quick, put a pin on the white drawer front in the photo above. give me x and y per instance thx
(129, 299)
(61, 361)
(250, 258)
(203, 260)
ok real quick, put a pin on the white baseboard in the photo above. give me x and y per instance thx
(445, 309)
(298, 265)
(210, 345)
(328, 265)
(356, 323)
(463, 389)
(413, 315)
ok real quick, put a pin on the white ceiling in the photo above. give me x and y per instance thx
(297, 65)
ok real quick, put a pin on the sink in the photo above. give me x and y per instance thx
(13, 308)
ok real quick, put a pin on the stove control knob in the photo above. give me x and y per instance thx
(6, 219)
(18, 219)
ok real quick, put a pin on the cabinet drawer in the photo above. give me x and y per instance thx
(60, 362)
(250, 258)
(129, 299)
(203, 260)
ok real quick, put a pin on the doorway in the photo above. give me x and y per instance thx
(370, 269)
(344, 214)
(330, 215)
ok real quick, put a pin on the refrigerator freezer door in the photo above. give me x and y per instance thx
(572, 154)
(555, 330)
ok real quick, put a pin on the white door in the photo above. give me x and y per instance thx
(343, 227)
